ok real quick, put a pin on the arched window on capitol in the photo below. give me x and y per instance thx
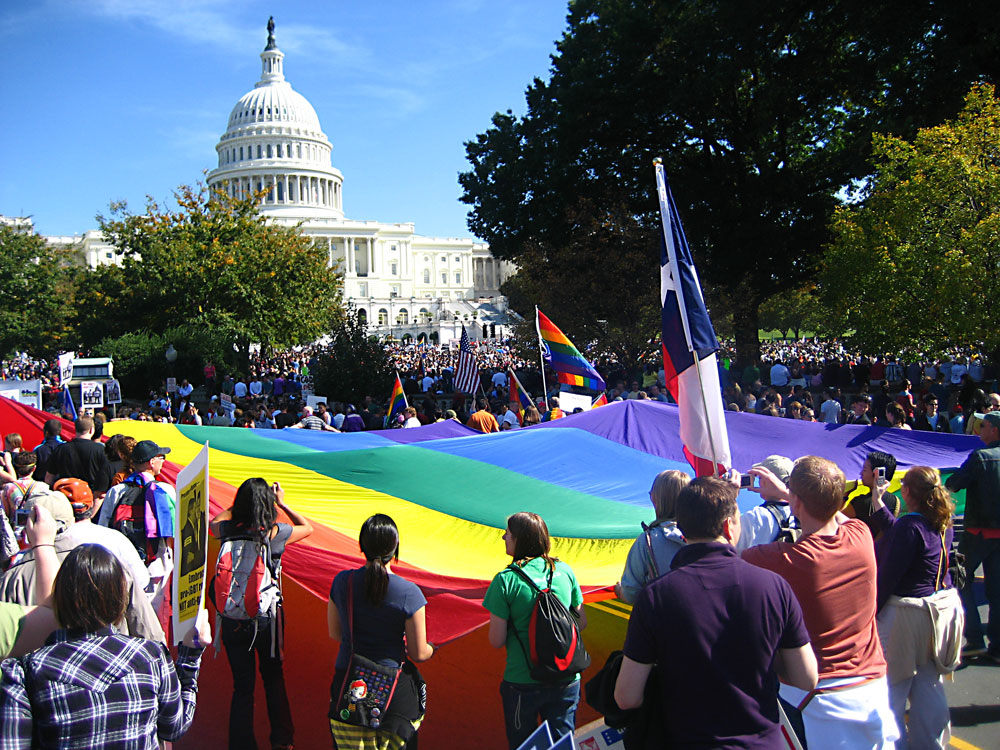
(402, 317)
(383, 316)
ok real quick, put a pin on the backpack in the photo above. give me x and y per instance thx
(244, 586)
(556, 648)
(788, 527)
(130, 517)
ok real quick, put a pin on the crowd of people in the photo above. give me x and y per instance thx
(834, 607)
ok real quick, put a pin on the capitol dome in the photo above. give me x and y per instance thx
(274, 142)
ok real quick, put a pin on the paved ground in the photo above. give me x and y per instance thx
(974, 698)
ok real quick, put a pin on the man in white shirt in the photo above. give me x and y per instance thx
(779, 375)
(830, 410)
(762, 524)
(240, 389)
(256, 387)
(508, 419)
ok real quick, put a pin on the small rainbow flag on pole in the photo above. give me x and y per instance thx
(570, 366)
(601, 400)
(397, 402)
(517, 390)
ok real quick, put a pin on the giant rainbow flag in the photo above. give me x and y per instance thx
(451, 490)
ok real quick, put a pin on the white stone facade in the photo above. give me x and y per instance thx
(406, 285)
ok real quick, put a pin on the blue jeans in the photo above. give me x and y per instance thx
(524, 704)
(986, 552)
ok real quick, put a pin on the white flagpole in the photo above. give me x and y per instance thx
(541, 357)
(666, 221)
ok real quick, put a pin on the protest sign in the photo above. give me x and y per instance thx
(569, 402)
(114, 390)
(27, 392)
(66, 366)
(171, 385)
(191, 544)
(91, 394)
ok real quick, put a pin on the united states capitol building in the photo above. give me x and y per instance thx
(402, 284)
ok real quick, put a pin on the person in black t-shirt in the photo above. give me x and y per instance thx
(81, 458)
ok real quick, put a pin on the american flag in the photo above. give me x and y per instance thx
(467, 374)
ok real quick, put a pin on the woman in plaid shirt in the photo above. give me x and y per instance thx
(91, 687)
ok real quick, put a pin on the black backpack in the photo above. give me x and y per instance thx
(788, 528)
(130, 517)
(556, 650)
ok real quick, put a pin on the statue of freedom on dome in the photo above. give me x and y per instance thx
(270, 33)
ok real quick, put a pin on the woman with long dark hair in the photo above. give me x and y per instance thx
(91, 686)
(510, 601)
(369, 611)
(253, 516)
(920, 615)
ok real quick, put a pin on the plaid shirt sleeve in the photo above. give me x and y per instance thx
(178, 691)
(15, 707)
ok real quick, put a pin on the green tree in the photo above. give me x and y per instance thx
(762, 111)
(792, 311)
(213, 263)
(916, 264)
(37, 293)
(353, 365)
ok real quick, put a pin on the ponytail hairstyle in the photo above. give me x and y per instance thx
(253, 508)
(531, 538)
(928, 497)
(379, 540)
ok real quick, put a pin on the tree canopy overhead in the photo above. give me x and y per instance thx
(763, 113)
(917, 265)
(213, 263)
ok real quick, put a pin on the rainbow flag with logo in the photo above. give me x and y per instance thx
(570, 366)
(397, 402)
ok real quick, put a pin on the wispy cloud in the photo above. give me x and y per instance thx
(212, 21)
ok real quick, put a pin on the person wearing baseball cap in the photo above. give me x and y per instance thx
(160, 497)
(979, 476)
(763, 524)
(85, 531)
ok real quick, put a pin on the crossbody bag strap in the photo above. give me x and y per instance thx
(647, 532)
(939, 579)
(510, 622)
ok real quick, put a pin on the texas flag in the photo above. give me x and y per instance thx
(689, 346)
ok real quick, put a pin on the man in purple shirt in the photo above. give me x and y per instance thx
(720, 633)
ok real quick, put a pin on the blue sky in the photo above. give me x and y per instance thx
(115, 99)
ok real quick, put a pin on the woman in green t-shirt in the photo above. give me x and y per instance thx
(510, 601)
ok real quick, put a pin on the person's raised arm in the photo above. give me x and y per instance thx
(301, 528)
(797, 667)
(40, 530)
(769, 484)
(417, 646)
(631, 684)
(216, 523)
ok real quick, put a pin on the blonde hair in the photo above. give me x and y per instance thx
(666, 487)
(929, 497)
